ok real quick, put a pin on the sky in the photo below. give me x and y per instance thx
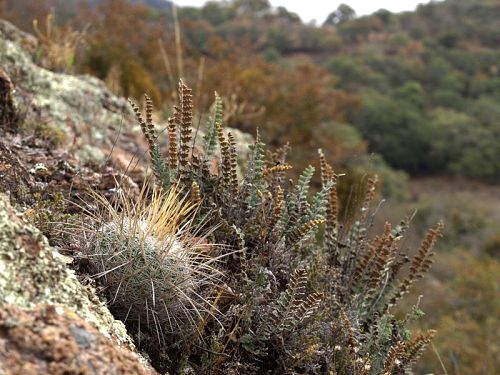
(319, 9)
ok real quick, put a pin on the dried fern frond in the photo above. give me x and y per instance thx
(327, 173)
(225, 156)
(185, 126)
(394, 359)
(233, 161)
(384, 255)
(149, 131)
(414, 348)
(278, 206)
(420, 263)
(149, 114)
(364, 260)
(277, 169)
(195, 192)
(301, 232)
(172, 144)
(150, 136)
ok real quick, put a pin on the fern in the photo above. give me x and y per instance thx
(185, 123)
(320, 202)
(210, 138)
(293, 306)
(148, 129)
(302, 189)
(254, 180)
(266, 226)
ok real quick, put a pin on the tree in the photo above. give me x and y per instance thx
(283, 13)
(216, 13)
(396, 129)
(343, 13)
(251, 6)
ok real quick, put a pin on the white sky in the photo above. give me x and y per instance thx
(320, 9)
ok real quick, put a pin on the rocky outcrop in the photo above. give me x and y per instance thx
(51, 124)
(38, 290)
(78, 109)
(50, 323)
(32, 273)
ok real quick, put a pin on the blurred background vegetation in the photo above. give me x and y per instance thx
(413, 97)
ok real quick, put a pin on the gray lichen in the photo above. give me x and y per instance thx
(32, 272)
(77, 105)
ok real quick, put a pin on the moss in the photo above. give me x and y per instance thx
(53, 135)
(48, 214)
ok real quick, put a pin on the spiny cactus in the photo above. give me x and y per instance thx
(156, 266)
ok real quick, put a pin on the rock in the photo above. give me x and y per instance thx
(79, 107)
(28, 42)
(31, 272)
(53, 340)
(34, 282)
(91, 154)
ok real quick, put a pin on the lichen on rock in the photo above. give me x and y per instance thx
(53, 340)
(32, 273)
(76, 105)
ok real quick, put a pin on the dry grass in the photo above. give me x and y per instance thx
(58, 44)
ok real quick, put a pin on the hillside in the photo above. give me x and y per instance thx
(428, 80)
(411, 97)
(419, 87)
